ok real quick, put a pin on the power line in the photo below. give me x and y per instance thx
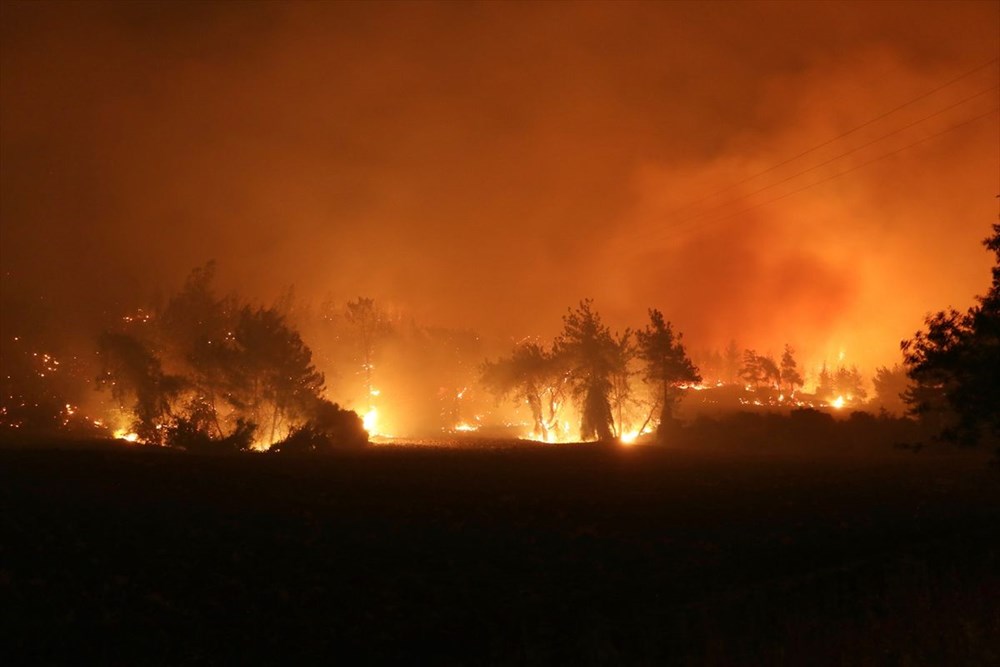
(846, 171)
(842, 135)
(837, 157)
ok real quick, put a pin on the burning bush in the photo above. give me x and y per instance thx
(330, 428)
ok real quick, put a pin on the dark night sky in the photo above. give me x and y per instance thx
(487, 165)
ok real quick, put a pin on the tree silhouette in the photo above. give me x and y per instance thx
(206, 373)
(849, 383)
(277, 380)
(329, 428)
(769, 370)
(955, 362)
(825, 387)
(197, 328)
(731, 358)
(620, 396)
(790, 376)
(134, 374)
(530, 375)
(371, 326)
(891, 384)
(667, 364)
(592, 357)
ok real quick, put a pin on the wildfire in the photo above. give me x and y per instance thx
(465, 426)
(122, 434)
(838, 403)
(370, 421)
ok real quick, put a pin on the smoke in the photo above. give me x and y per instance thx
(485, 166)
(841, 251)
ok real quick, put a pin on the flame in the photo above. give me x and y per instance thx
(838, 402)
(465, 426)
(370, 421)
(122, 434)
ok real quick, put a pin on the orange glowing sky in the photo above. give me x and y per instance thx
(487, 165)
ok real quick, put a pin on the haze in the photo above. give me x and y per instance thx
(484, 166)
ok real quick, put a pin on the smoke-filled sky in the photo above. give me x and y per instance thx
(487, 165)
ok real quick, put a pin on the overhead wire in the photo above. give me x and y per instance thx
(847, 133)
(833, 159)
(841, 173)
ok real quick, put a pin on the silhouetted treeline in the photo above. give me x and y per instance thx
(955, 364)
(212, 373)
(594, 367)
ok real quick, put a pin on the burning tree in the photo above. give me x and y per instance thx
(196, 329)
(211, 371)
(667, 364)
(790, 376)
(592, 358)
(955, 363)
(371, 326)
(531, 375)
(848, 382)
(134, 374)
(731, 362)
(277, 382)
(621, 399)
(759, 369)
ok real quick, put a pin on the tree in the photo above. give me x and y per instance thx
(790, 376)
(277, 380)
(667, 364)
(890, 386)
(530, 375)
(751, 371)
(825, 387)
(731, 360)
(135, 375)
(371, 325)
(207, 373)
(848, 383)
(620, 397)
(769, 370)
(955, 362)
(591, 355)
(329, 428)
(196, 328)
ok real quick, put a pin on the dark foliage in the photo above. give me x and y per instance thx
(955, 364)
(134, 374)
(667, 364)
(329, 429)
(592, 356)
(188, 434)
(530, 375)
(891, 384)
(231, 365)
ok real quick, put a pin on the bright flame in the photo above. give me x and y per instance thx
(838, 402)
(122, 434)
(370, 421)
(464, 426)
(628, 438)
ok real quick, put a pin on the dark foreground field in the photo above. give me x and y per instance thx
(582, 555)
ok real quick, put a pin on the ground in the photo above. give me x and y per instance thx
(501, 554)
